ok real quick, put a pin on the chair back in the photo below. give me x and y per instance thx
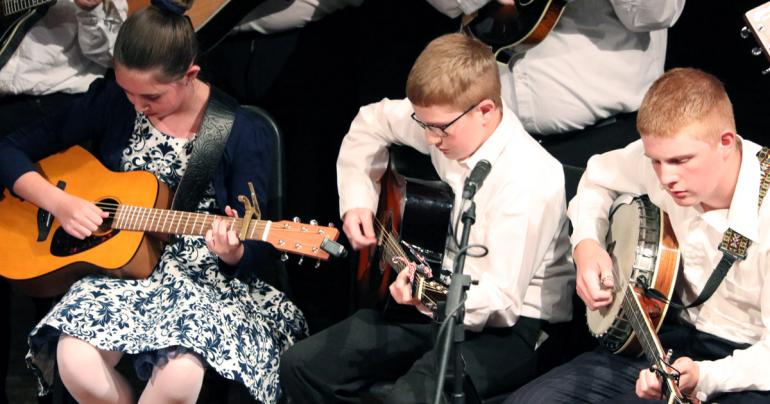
(275, 274)
(276, 192)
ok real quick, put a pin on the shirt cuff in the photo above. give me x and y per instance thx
(708, 380)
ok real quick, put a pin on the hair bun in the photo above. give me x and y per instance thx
(169, 6)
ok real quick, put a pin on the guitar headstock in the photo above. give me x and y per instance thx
(758, 25)
(305, 239)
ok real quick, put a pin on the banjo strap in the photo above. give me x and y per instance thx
(734, 245)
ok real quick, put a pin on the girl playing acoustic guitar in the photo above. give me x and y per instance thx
(192, 312)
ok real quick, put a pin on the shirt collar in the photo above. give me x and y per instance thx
(743, 215)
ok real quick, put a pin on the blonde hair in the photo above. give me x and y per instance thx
(681, 97)
(454, 70)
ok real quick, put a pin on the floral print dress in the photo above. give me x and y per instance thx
(238, 327)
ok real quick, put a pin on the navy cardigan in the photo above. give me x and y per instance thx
(105, 117)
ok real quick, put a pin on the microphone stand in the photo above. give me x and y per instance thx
(455, 304)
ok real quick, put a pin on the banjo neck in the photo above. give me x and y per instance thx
(648, 340)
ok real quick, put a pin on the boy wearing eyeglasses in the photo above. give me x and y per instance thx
(454, 114)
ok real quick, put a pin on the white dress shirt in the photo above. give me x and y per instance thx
(281, 15)
(739, 310)
(598, 61)
(519, 211)
(64, 51)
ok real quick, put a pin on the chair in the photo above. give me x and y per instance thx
(275, 274)
(276, 194)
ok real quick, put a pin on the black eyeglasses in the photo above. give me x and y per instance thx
(440, 130)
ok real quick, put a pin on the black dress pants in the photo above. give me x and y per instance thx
(601, 377)
(345, 360)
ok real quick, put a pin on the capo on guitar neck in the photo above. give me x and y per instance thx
(422, 265)
(250, 211)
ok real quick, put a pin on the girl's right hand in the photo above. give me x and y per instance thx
(77, 216)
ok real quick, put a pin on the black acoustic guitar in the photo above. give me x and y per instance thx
(16, 18)
(413, 219)
(513, 29)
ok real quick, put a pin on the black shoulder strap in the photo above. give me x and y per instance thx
(734, 245)
(208, 147)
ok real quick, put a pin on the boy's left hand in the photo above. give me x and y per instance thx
(648, 384)
(222, 240)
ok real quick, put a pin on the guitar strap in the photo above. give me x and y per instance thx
(207, 150)
(734, 244)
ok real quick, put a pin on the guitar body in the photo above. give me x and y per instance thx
(415, 207)
(212, 19)
(513, 28)
(13, 26)
(645, 253)
(47, 264)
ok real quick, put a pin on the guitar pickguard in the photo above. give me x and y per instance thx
(64, 245)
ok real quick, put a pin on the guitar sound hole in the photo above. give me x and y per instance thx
(64, 245)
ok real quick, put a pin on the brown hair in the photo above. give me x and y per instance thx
(160, 37)
(454, 70)
(681, 97)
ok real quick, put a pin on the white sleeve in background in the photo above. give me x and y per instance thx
(281, 15)
(363, 156)
(647, 15)
(453, 8)
(98, 29)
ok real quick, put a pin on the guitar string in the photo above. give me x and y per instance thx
(394, 245)
(184, 217)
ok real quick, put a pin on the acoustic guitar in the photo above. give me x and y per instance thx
(513, 29)
(212, 19)
(645, 254)
(41, 258)
(16, 18)
(413, 218)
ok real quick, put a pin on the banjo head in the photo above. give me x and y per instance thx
(632, 245)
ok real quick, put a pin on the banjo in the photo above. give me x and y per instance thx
(645, 254)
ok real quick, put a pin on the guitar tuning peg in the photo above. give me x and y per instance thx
(314, 222)
(295, 219)
(284, 257)
(317, 264)
(766, 71)
(744, 32)
(756, 51)
(331, 224)
(301, 260)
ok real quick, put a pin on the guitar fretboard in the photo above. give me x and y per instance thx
(14, 6)
(179, 222)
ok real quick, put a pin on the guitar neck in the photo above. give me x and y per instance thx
(179, 222)
(648, 339)
(14, 6)
(390, 252)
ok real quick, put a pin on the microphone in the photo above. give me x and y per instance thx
(476, 178)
